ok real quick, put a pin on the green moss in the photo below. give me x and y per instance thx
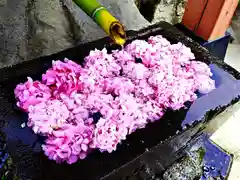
(16, 178)
(137, 2)
(9, 170)
(201, 153)
(9, 161)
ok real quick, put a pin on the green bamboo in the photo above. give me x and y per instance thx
(104, 19)
(88, 6)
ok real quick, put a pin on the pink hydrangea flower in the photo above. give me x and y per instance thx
(89, 81)
(76, 104)
(103, 63)
(204, 83)
(122, 57)
(158, 41)
(63, 77)
(31, 93)
(108, 134)
(129, 112)
(48, 116)
(118, 85)
(128, 95)
(135, 71)
(98, 102)
(138, 48)
(152, 110)
(180, 53)
(133, 121)
(148, 53)
(157, 78)
(144, 89)
(69, 143)
(200, 68)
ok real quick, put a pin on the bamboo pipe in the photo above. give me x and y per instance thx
(104, 19)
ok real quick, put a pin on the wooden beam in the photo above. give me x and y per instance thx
(209, 19)
(193, 13)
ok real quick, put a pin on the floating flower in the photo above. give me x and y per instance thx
(69, 143)
(96, 106)
(63, 77)
(46, 117)
(31, 93)
(108, 134)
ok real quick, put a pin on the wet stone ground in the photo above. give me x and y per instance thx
(203, 161)
(190, 167)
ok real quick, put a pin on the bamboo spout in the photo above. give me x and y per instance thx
(104, 19)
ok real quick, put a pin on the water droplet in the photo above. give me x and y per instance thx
(212, 168)
(205, 169)
(23, 125)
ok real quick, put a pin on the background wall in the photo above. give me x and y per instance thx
(164, 10)
(235, 26)
(30, 29)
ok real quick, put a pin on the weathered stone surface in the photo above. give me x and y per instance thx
(30, 29)
(49, 28)
(187, 168)
(165, 10)
(125, 10)
(235, 25)
(12, 32)
(34, 28)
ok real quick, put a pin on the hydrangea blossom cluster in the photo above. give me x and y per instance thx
(96, 106)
